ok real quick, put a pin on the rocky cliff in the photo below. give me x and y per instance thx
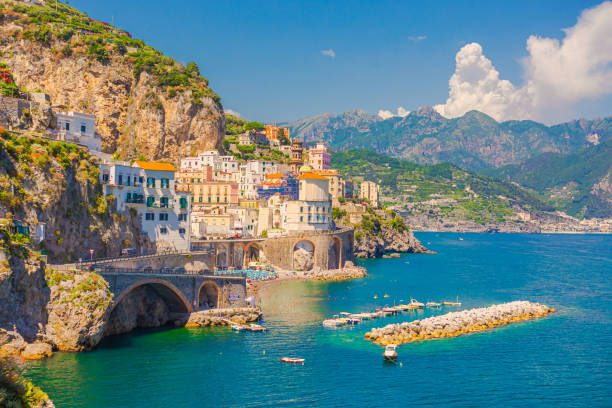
(387, 240)
(145, 103)
(377, 231)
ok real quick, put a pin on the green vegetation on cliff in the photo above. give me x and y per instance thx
(101, 41)
(15, 390)
(579, 184)
(58, 183)
(442, 188)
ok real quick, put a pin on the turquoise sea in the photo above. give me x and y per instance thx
(563, 361)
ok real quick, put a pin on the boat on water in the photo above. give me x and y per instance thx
(416, 303)
(457, 303)
(238, 327)
(433, 304)
(292, 360)
(390, 353)
(256, 328)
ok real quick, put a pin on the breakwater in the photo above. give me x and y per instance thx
(222, 317)
(458, 323)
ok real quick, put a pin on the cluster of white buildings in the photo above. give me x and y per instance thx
(215, 196)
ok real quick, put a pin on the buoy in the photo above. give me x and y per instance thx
(386, 295)
(264, 352)
(375, 296)
(401, 365)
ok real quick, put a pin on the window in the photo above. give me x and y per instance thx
(141, 179)
(163, 216)
(181, 230)
(67, 126)
(149, 216)
(163, 230)
(301, 209)
(183, 202)
(128, 197)
(151, 182)
(301, 218)
(165, 183)
(163, 202)
(150, 201)
(182, 217)
(192, 199)
(83, 128)
(120, 179)
(128, 181)
(201, 199)
(105, 178)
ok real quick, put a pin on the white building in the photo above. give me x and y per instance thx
(313, 209)
(210, 158)
(245, 221)
(78, 128)
(149, 187)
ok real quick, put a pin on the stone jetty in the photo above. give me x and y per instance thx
(458, 323)
(222, 317)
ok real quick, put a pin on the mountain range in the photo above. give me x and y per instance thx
(474, 141)
(579, 183)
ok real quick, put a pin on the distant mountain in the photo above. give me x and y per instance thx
(579, 183)
(310, 129)
(474, 141)
(441, 191)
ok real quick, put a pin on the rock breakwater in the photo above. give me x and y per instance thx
(458, 323)
(221, 317)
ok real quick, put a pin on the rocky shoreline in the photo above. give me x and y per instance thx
(389, 240)
(457, 323)
(222, 317)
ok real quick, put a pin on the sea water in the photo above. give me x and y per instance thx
(564, 360)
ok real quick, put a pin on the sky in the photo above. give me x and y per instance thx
(278, 61)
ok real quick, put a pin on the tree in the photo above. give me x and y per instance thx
(192, 69)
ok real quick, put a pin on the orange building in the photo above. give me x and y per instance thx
(272, 132)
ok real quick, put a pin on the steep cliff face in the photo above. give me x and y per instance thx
(144, 103)
(143, 308)
(58, 184)
(375, 245)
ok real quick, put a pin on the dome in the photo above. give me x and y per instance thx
(305, 168)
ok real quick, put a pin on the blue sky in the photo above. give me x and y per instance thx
(264, 57)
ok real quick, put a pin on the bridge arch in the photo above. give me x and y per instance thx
(303, 254)
(209, 295)
(174, 298)
(252, 252)
(334, 253)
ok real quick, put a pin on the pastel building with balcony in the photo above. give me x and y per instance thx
(78, 128)
(149, 188)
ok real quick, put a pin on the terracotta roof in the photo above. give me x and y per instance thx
(275, 175)
(154, 166)
(312, 176)
(327, 172)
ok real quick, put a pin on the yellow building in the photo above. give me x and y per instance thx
(370, 191)
(336, 182)
(210, 192)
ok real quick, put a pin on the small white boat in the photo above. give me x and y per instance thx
(292, 360)
(416, 303)
(433, 304)
(238, 327)
(255, 328)
(390, 352)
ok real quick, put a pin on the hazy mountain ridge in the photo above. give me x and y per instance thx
(579, 183)
(474, 141)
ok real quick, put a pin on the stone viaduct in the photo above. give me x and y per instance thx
(212, 274)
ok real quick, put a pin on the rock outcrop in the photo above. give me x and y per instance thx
(458, 323)
(389, 240)
(303, 260)
(221, 317)
(138, 111)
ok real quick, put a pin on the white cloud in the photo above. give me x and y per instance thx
(330, 53)
(386, 114)
(557, 74)
(417, 38)
(232, 112)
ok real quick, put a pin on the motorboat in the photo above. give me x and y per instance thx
(416, 303)
(292, 360)
(238, 327)
(390, 352)
(433, 304)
